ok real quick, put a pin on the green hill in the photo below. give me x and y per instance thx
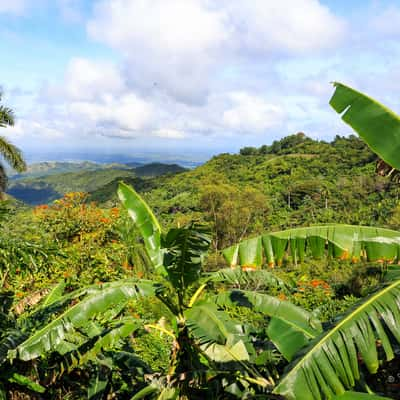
(304, 181)
(90, 177)
(48, 188)
(46, 168)
(157, 169)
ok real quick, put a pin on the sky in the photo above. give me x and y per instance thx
(188, 77)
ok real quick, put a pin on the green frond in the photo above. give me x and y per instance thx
(12, 155)
(6, 117)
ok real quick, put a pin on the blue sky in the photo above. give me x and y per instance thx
(188, 76)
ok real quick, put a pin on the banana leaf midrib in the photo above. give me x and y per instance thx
(324, 338)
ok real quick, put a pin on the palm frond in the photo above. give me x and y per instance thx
(12, 155)
(6, 117)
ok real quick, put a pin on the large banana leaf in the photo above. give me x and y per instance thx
(221, 338)
(335, 240)
(145, 221)
(376, 124)
(209, 325)
(111, 339)
(290, 328)
(185, 249)
(78, 316)
(330, 365)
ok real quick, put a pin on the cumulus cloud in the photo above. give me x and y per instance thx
(180, 47)
(168, 45)
(127, 113)
(188, 68)
(169, 133)
(251, 113)
(288, 26)
(88, 80)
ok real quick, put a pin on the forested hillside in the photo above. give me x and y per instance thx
(82, 256)
(296, 181)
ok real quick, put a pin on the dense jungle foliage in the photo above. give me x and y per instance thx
(158, 292)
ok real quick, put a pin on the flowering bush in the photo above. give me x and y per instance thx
(72, 219)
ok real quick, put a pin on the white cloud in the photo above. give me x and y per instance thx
(85, 79)
(288, 26)
(34, 129)
(189, 69)
(127, 113)
(169, 46)
(169, 134)
(13, 6)
(172, 27)
(181, 47)
(251, 114)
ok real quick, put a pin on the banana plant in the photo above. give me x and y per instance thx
(204, 336)
(344, 242)
(317, 355)
(335, 360)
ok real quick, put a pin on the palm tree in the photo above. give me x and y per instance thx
(9, 152)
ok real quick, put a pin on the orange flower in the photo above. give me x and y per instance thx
(105, 220)
(248, 268)
(282, 296)
(126, 265)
